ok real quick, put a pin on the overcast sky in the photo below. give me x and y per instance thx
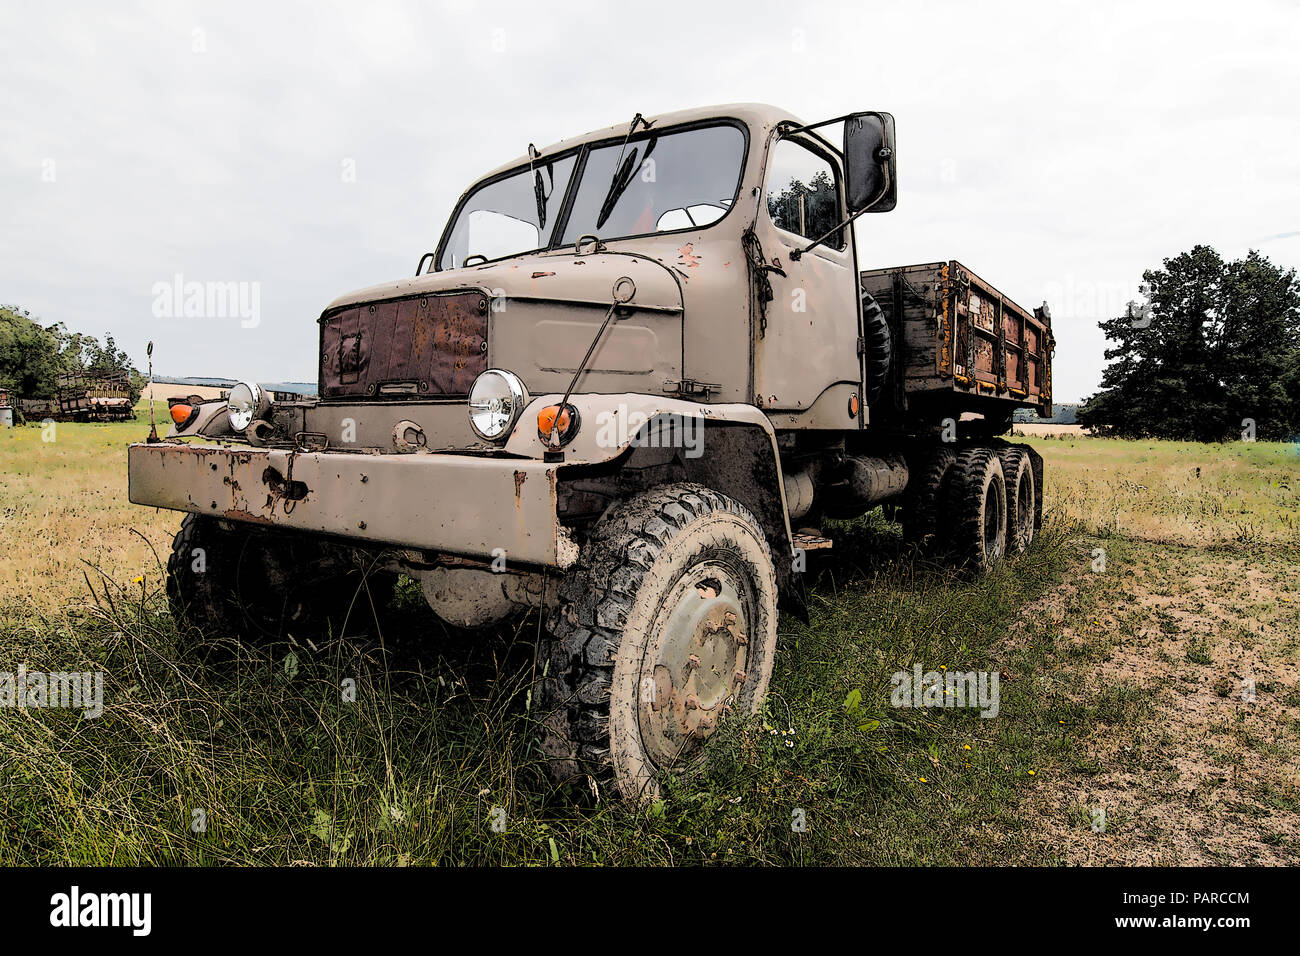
(1056, 149)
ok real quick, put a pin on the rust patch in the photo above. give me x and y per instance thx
(687, 257)
(238, 514)
(432, 341)
(199, 451)
(520, 478)
(542, 275)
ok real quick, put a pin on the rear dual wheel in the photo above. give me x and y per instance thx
(977, 509)
(924, 497)
(990, 504)
(1022, 497)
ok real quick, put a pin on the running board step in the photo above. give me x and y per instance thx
(812, 542)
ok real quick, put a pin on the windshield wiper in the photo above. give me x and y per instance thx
(624, 170)
(539, 190)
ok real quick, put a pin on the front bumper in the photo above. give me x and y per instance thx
(457, 504)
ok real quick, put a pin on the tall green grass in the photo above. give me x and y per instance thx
(435, 761)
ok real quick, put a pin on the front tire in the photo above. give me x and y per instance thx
(664, 627)
(230, 581)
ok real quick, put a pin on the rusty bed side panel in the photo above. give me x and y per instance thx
(456, 503)
(960, 334)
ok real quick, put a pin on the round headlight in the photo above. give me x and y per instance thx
(496, 401)
(246, 403)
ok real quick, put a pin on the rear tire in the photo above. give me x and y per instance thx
(977, 509)
(1022, 494)
(924, 495)
(664, 626)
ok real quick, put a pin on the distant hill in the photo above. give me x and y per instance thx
(301, 388)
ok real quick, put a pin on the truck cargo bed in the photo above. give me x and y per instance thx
(956, 335)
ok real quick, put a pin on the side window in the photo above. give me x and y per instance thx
(802, 195)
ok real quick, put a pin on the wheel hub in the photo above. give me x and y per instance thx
(692, 682)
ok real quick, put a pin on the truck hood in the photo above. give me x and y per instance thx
(552, 277)
(432, 335)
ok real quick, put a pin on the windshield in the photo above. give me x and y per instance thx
(512, 215)
(663, 183)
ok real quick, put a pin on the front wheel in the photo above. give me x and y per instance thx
(664, 628)
(230, 581)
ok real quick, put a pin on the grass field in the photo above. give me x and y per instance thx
(1164, 578)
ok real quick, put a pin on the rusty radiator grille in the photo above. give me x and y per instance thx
(429, 346)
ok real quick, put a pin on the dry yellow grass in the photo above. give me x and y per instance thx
(64, 511)
(160, 391)
(1176, 492)
(1046, 429)
(63, 504)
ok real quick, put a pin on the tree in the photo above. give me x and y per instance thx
(32, 356)
(1258, 344)
(1215, 345)
(807, 209)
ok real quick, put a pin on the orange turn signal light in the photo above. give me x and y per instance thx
(182, 413)
(556, 418)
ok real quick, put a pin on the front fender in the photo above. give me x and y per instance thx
(211, 421)
(730, 447)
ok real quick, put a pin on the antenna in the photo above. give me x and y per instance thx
(153, 428)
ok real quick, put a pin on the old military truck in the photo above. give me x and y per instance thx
(637, 371)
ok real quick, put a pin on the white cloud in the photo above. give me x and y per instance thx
(1049, 147)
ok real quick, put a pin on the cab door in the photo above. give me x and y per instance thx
(807, 341)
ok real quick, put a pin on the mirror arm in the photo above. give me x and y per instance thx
(804, 129)
(797, 254)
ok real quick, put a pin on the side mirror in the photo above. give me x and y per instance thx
(870, 182)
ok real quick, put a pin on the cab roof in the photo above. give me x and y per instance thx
(753, 115)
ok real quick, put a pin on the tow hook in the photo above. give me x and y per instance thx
(288, 489)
